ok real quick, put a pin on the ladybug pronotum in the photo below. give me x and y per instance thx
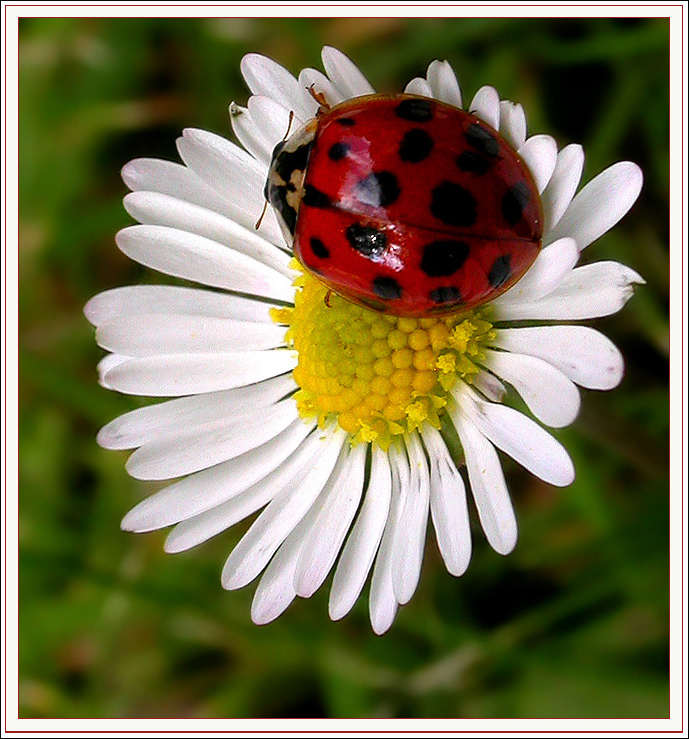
(406, 204)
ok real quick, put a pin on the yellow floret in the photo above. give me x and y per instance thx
(397, 339)
(378, 376)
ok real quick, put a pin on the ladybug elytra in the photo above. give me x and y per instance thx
(406, 204)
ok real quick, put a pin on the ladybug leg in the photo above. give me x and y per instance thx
(319, 97)
(326, 298)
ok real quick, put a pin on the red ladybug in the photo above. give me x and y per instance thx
(407, 205)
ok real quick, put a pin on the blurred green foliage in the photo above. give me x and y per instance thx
(573, 624)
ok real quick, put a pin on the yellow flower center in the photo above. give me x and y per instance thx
(379, 376)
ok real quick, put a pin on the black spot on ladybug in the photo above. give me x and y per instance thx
(319, 248)
(482, 140)
(286, 162)
(415, 109)
(416, 146)
(453, 204)
(348, 122)
(514, 202)
(338, 151)
(315, 198)
(500, 271)
(445, 294)
(372, 304)
(387, 288)
(443, 258)
(367, 240)
(470, 161)
(379, 189)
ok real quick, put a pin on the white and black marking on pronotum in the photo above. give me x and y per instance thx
(284, 185)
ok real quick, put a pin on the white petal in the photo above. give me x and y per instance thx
(443, 82)
(260, 126)
(154, 209)
(408, 545)
(582, 353)
(212, 520)
(175, 180)
(601, 204)
(188, 374)
(488, 486)
(271, 118)
(284, 512)
(563, 184)
(109, 362)
(489, 386)
(137, 300)
(591, 291)
(550, 395)
(553, 263)
(266, 77)
(145, 336)
(382, 602)
(234, 175)
(345, 75)
(334, 512)
(166, 419)
(449, 509)
(209, 488)
(199, 259)
(513, 123)
(312, 79)
(540, 154)
(209, 444)
(362, 543)
(486, 106)
(249, 135)
(520, 437)
(419, 86)
(275, 589)
(210, 523)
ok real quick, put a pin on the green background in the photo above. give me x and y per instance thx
(573, 624)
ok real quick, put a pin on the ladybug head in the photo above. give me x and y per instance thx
(284, 186)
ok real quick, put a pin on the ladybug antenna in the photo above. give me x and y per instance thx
(289, 125)
(260, 218)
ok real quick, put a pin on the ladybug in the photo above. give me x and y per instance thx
(406, 204)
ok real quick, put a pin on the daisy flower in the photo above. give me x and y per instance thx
(345, 427)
